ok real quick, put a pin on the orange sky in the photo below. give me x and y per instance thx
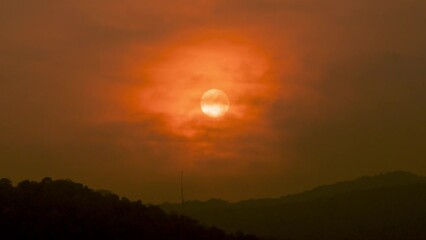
(107, 93)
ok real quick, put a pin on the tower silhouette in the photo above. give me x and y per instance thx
(181, 188)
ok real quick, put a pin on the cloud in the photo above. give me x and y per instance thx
(108, 93)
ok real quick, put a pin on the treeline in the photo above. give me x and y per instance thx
(62, 209)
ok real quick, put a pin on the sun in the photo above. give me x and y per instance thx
(214, 103)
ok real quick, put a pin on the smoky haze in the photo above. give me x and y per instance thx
(320, 91)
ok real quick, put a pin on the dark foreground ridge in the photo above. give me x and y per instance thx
(63, 209)
(383, 207)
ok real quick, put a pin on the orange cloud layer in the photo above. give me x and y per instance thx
(108, 93)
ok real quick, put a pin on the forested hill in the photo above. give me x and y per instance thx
(387, 206)
(63, 209)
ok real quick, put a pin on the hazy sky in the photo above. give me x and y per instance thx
(107, 93)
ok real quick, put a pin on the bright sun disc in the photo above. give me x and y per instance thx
(214, 103)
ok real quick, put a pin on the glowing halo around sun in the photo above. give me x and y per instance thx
(214, 103)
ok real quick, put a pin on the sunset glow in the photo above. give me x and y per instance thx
(250, 98)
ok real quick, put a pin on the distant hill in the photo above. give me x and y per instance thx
(63, 209)
(386, 206)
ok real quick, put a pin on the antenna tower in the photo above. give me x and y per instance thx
(181, 188)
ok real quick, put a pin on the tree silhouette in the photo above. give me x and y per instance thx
(62, 209)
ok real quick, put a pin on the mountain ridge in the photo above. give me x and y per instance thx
(365, 182)
(385, 206)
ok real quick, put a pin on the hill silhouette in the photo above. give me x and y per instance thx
(386, 206)
(63, 209)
